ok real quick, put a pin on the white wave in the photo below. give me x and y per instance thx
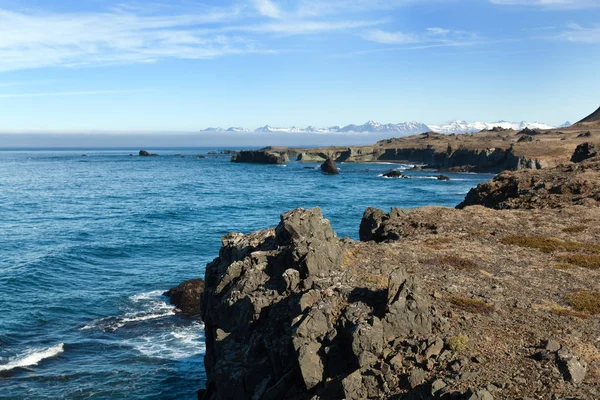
(33, 357)
(146, 296)
(181, 342)
(153, 307)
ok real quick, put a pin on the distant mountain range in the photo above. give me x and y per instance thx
(405, 128)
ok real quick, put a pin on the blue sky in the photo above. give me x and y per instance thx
(185, 65)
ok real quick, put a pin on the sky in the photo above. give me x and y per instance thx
(127, 66)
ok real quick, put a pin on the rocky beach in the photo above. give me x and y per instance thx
(496, 299)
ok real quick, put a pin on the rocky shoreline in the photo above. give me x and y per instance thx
(486, 151)
(496, 299)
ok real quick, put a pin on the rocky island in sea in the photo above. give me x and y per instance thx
(496, 299)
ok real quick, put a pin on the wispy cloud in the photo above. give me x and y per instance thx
(562, 4)
(431, 37)
(579, 34)
(268, 8)
(129, 34)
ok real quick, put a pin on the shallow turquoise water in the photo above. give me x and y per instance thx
(88, 244)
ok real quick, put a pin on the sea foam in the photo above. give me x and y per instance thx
(32, 357)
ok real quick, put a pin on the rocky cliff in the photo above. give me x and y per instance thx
(259, 157)
(494, 150)
(435, 303)
(568, 184)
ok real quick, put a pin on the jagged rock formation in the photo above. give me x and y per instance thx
(258, 157)
(552, 188)
(445, 308)
(144, 153)
(187, 296)
(585, 151)
(329, 167)
(283, 320)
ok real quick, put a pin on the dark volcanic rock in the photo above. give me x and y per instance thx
(394, 174)
(585, 151)
(329, 167)
(144, 153)
(372, 219)
(531, 132)
(442, 178)
(584, 134)
(282, 321)
(257, 157)
(187, 296)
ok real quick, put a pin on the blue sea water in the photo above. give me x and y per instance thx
(89, 244)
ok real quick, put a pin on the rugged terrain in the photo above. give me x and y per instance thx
(497, 299)
(497, 149)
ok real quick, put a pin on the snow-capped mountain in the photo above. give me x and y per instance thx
(402, 129)
(372, 127)
(471, 127)
(268, 128)
(238, 129)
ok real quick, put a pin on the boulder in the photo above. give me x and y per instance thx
(329, 167)
(187, 296)
(442, 178)
(585, 151)
(144, 153)
(572, 367)
(394, 174)
(372, 219)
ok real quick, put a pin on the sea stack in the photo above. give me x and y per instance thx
(329, 167)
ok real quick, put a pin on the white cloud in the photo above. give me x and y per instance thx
(432, 37)
(564, 4)
(128, 34)
(268, 8)
(384, 37)
(579, 34)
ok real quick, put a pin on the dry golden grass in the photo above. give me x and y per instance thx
(549, 244)
(567, 312)
(453, 261)
(589, 261)
(472, 305)
(575, 229)
(351, 257)
(586, 301)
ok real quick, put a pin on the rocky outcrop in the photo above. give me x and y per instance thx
(144, 153)
(329, 167)
(187, 296)
(585, 151)
(394, 174)
(572, 184)
(443, 309)
(258, 157)
(283, 320)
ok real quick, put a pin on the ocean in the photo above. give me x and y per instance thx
(92, 238)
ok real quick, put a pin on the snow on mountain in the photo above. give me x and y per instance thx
(237, 129)
(470, 127)
(405, 128)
